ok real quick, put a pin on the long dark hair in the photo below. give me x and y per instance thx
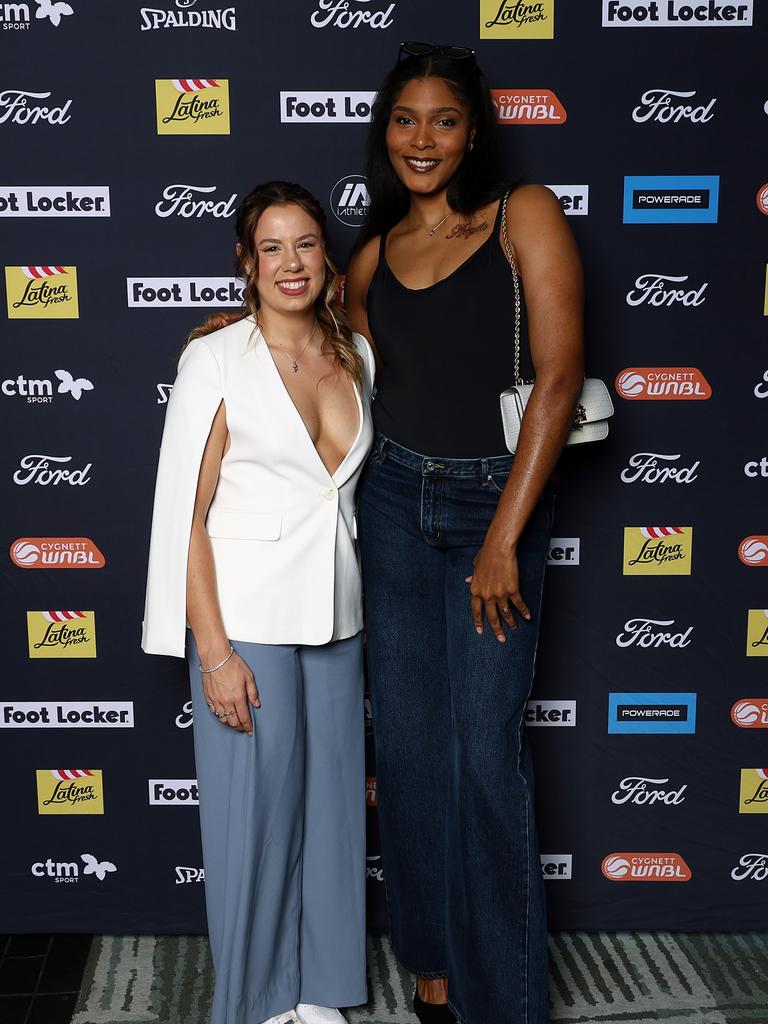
(330, 316)
(478, 179)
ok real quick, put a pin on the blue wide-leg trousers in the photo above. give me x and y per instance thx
(282, 817)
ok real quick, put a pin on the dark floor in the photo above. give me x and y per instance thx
(40, 977)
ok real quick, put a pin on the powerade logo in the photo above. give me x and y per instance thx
(652, 712)
(671, 199)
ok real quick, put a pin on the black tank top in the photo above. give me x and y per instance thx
(447, 353)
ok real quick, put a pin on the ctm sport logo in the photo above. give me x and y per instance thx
(192, 106)
(671, 199)
(48, 293)
(658, 550)
(70, 791)
(61, 634)
(517, 19)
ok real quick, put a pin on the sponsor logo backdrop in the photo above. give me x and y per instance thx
(122, 174)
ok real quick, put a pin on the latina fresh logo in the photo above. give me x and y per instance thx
(645, 867)
(61, 634)
(528, 106)
(192, 106)
(753, 792)
(757, 632)
(750, 713)
(662, 383)
(41, 293)
(658, 550)
(56, 553)
(517, 19)
(70, 791)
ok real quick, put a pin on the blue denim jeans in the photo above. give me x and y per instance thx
(454, 777)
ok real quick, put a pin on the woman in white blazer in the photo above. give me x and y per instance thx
(253, 573)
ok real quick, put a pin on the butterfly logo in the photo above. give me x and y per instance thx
(96, 867)
(69, 384)
(53, 11)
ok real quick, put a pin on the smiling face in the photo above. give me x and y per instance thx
(291, 261)
(428, 134)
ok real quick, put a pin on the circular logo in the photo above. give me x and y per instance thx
(350, 200)
(630, 383)
(745, 713)
(762, 199)
(615, 867)
(753, 551)
(24, 553)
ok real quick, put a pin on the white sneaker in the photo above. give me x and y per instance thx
(309, 1014)
(289, 1017)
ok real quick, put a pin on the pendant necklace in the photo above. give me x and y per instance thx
(295, 359)
(434, 229)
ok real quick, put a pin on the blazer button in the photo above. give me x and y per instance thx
(329, 493)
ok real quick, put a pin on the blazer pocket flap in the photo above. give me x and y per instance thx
(235, 524)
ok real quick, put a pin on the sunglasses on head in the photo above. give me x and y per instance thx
(414, 49)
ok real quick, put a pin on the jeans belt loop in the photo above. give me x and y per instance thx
(484, 472)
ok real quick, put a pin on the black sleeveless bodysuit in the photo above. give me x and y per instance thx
(447, 353)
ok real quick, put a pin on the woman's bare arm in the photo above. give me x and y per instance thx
(359, 274)
(550, 268)
(229, 689)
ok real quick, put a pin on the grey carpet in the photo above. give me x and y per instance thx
(596, 978)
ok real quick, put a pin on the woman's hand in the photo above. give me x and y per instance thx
(494, 587)
(229, 690)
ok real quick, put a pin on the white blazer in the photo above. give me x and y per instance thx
(282, 529)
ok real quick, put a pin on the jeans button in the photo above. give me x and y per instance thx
(430, 466)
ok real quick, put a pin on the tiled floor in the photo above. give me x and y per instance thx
(40, 977)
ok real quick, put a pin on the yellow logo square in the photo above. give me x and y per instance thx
(658, 550)
(61, 634)
(41, 293)
(192, 106)
(757, 633)
(517, 19)
(70, 791)
(753, 793)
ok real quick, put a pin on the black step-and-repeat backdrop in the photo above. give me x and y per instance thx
(117, 188)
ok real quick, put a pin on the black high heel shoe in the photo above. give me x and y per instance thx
(432, 1013)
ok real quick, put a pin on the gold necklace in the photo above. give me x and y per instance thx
(295, 359)
(434, 229)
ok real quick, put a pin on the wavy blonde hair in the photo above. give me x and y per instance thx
(337, 334)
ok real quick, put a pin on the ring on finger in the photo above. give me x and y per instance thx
(506, 610)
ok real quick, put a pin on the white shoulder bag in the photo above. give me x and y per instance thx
(594, 406)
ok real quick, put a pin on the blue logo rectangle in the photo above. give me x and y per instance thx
(671, 199)
(652, 712)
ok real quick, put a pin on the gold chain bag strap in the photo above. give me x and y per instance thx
(594, 406)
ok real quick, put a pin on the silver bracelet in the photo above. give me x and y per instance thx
(215, 668)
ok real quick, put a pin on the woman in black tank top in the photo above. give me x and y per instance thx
(454, 531)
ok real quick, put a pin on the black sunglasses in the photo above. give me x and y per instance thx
(414, 49)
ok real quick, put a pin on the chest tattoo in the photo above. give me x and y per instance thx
(466, 230)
